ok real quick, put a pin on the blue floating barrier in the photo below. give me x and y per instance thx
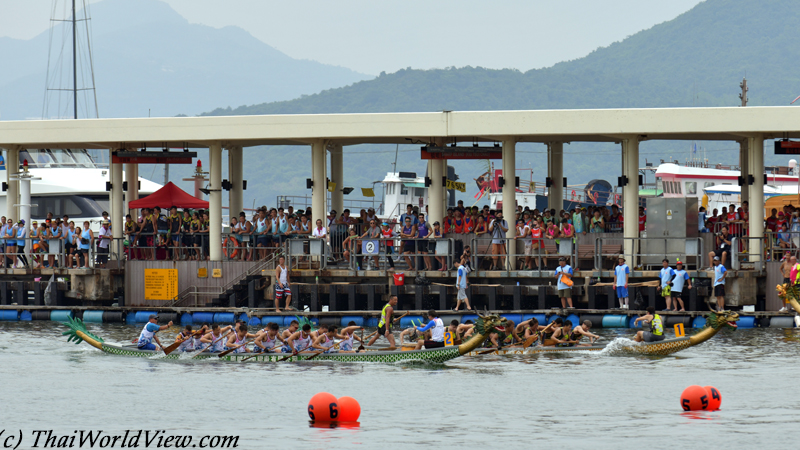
(200, 318)
(517, 318)
(254, 322)
(699, 322)
(615, 321)
(574, 319)
(552, 317)
(405, 322)
(93, 316)
(9, 315)
(632, 323)
(143, 316)
(244, 318)
(372, 322)
(359, 320)
(746, 322)
(224, 318)
(542, 318)
(112, 317)
(130, 318)
(472, 317)
(275, 319)
(187, 319)
(60, 315)
(26, 316)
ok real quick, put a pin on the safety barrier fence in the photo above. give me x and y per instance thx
(648, 253)
(751, 257)
(38, 253)
(496, 254)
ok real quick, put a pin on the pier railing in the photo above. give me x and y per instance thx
(779, 243)
(648, 252)
(748, 253)
(540, 254)
(373, 253)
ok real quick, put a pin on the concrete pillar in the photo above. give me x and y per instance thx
(744, 166)
(444, 194)
(509, 192)
(337, 176)
(630, 196)
(435, 192)
(235, 176)
(555, 199)
(215, 202)
(12, 195)
(117, 215)
(132, 177)
(319, 191)
(756, 220)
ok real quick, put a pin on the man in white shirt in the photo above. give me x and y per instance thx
(104, 238)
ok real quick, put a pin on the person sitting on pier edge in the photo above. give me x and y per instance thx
(723, 246)
(621, 275)
(656, 332)
(676, 290)
(148, 333)
(436, 326)
(564, 273)
(385, 324)
(719, 283)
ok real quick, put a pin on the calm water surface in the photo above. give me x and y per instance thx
(599, 400)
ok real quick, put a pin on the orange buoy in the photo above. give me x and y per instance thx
(714, 398)
(323, 407)
(695, 398)
(349, 409)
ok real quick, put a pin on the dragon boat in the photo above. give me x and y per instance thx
(485, 324)
(715, 322)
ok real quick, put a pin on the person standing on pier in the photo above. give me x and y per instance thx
(667, 275)
(681, 277)
(564, 280)
(621, 274)
(385, 324)
(282, 287)
(462, 283)
(498, 228)
(148, 333)
(719, 283)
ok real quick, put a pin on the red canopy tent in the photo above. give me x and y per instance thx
(167, 197)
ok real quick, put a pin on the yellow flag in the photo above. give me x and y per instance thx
(331, 186)
(367, 192)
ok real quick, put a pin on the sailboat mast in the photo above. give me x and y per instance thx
(74, 64)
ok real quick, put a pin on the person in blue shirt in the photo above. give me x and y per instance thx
(564, 271)
(666, 275)
(719, 283)
(784, 237)
(409, 214)
(621, 274)
(148, 334)
(681, 278)
(436, 325)
(462, 283)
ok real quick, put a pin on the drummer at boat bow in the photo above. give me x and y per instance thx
(436, 326)
(656, 332)
(148, 333)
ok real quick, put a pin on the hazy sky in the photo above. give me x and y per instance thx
(371, 36)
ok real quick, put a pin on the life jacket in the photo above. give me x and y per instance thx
(458, 226)
(469, 225)
(656, 326)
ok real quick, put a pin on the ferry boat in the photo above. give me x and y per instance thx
(70, 183)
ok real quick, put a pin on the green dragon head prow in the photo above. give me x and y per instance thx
(304, 320)
(722, 319)
(75, 326)
(490, 323)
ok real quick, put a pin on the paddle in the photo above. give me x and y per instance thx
(361, 347)
(270, 350)
(293, 354)
(231, 350)
(212, 343)
(172, 347)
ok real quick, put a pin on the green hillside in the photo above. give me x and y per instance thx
(697, 59)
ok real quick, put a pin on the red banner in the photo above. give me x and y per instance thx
(469, 154)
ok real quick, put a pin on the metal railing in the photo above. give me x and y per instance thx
(483, 251)
(753, 255)
(53, 253)
(778, 243)
(645, 254)
(427, 252)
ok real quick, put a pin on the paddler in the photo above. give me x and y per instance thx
(583, 330)
(436, 325)
(563, 336)
(347, 335)
(300, 340)
(214, 340)
(293, 327)
(186, 338)
(385, 324)
(325, 341)
(148, 333)
(267, 339)
(656, 332)
(550, 330)
(238, 340)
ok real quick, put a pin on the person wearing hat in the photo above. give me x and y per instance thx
(681, 279)
(564, 281)
(104, 239)
(621, 274)
(148, 334)
(719, 283)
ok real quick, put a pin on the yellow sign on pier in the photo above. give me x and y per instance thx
(160, 284)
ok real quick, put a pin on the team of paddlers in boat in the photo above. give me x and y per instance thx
(330, 338)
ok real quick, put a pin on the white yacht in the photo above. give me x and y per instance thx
(71, 183)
